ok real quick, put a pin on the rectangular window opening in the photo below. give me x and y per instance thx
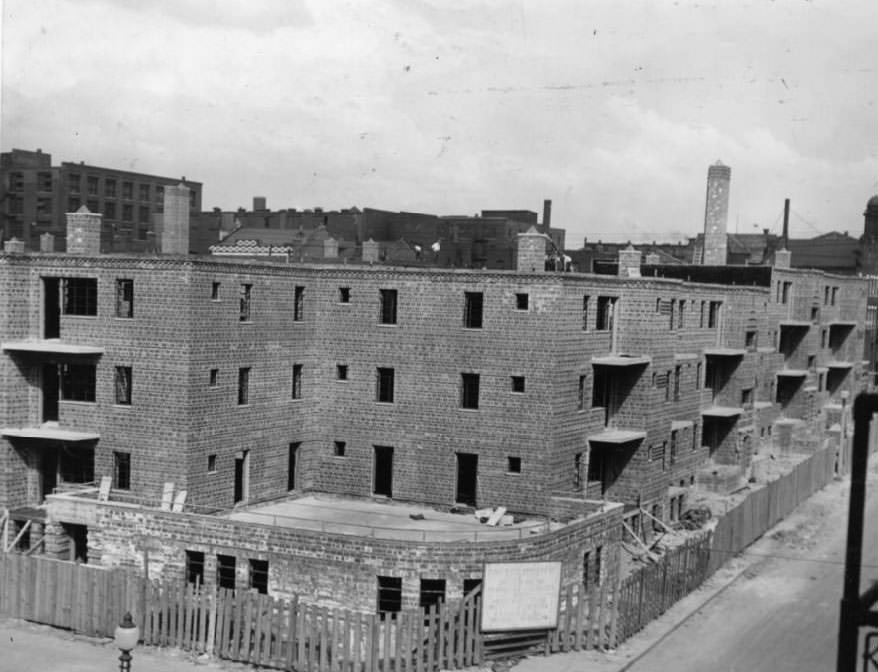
(80, 296)
(384, 391)
(211, 463)
(121, 470)
(214, 291)
(521, 301)
(124, 298)
(225, 571)
(123, 385)
(339, 448)
(585, 300)
(469, 390)
(472, 310)
(243, 386)
(77, 382)
(195, 567)
(518, 384)
(245, 303)
(387, 299)
(292, 456)
(432, 592)
(299, 304)
(259, 575)
(389, 594)
(344, 294)
(214, 377)
(297, 381)
(341, 371)
(606, 305)
(513, 465)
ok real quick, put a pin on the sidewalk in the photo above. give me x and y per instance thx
(800, 525)
(29, 646)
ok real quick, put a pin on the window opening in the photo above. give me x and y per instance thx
(469, 390)
(389, 594)
(77, 382)
(432, 592)
(387, 306)
(521, 301)
(344, 294)
(339, 449)
(513, 465)
(121, 470)
(80, 296)
(243, 386)
(297, 381)
(299, 304)
(472, 312)
(245, 303)
(123, 385)
(225, 571)
(518, 384)
(195, 567)
(341, 371)
(124, 298)
(259, 575)
(384, 392)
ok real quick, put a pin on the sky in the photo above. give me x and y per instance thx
(613, 110)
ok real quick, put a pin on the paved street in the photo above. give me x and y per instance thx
(782, 614)
(775, 608)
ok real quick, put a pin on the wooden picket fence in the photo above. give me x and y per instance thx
(255, 628)
(647, 593)
(84, 598)
(240, 625)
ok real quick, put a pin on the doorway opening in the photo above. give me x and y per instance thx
(467, 478)
(51, 308)
(383, 477)
(242, 476)
(50, 392)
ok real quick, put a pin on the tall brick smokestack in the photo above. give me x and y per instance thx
(547, 215)
(716, 214)
(786, 223)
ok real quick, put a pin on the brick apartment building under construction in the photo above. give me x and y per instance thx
(574, 400)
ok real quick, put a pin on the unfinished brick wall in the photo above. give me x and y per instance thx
(331, 569)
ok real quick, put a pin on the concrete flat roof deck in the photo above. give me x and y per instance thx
(390, 520)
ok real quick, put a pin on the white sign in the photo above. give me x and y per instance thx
(520, 595)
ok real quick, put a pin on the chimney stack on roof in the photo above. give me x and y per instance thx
(716, 214)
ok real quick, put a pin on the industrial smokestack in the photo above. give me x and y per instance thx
(786, 222)
(547, 214)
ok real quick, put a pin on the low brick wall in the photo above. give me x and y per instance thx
(322, 567)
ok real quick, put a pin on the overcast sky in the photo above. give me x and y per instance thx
(613, 110)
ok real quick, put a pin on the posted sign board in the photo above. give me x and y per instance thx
(520, 595)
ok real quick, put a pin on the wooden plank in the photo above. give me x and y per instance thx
(418, 639)
(614, 615)
(291, 632)
(258, 620)
(358, 643)
(301, 660)
(432, 625)
(345, 657)
(313, 630)
(322, 652)
(387, 649)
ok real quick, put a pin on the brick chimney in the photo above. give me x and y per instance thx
(84, 231)
(47, 242)
(13, 246)
(330, 248)
(175, 220)
(716, 214)
(371, 251)
(629, 262)
(782, 258)
(531, 255)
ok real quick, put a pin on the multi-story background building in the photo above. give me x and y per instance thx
(35, 195)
